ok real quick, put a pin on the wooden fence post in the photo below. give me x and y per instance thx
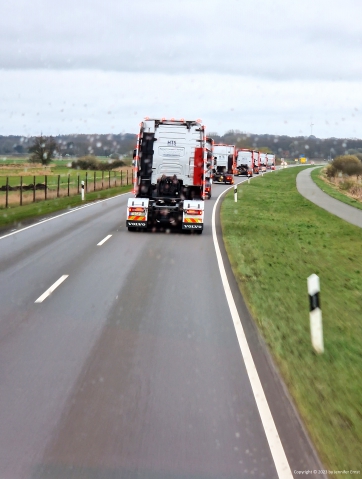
(21, 191)
(7, 193)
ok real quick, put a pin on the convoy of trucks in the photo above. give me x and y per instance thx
(175, 165)
(224, 165)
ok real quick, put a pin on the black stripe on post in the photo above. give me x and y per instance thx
(314, 302)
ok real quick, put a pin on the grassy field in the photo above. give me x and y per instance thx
(19, 214)
(275, 239)
(20, 159)
(332, 190)
(58, 171)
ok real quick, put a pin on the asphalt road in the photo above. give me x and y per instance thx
(131, 367)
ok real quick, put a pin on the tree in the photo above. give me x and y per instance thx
(43, 150)
(354, 169)
(264, 149)
(346, 164)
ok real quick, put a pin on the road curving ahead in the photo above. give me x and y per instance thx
(312, 192)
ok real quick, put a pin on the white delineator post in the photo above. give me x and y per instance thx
(235, 193)
(82, 190)
(315, 314)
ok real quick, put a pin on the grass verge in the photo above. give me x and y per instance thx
(275, 239)
(18, 214)
(333, 191)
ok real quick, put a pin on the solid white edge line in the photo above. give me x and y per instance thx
(275, 445)
(63, 214)
(51, 289)
(104, 240)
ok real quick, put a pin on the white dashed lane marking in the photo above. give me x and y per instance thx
(104, 240)
(49, 291)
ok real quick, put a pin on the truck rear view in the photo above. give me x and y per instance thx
(270, 161)
(263, 162)
(245, 162)
(224, 163)
(172, 167)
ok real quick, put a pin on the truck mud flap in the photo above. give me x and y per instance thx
(136, 224)
(192, 226)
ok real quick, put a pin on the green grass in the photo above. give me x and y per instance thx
(275, 239)
(18, 214)
(333, 191)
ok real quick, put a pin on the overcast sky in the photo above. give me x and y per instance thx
(259, 66)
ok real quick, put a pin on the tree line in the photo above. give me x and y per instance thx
(73, 145)
(282, 146)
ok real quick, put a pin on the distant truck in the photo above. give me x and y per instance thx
(224, 163)
(270, 161)
(263, 162)
(245, 162)
(256, 162)
(172, 173)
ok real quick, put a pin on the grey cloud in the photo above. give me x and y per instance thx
(257, 39)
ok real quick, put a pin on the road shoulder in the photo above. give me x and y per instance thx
(290, 427)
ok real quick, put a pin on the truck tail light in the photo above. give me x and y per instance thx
(193, 212)
(136, 209)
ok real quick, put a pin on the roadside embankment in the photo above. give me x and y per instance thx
(275, 239)
(333, 189)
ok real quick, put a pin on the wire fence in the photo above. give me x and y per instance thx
(22, 190)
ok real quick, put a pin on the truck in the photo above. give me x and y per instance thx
(245, 162)
(172, 171)
(256, 162)
(270, 161)
(224, 165)
(263, 162)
